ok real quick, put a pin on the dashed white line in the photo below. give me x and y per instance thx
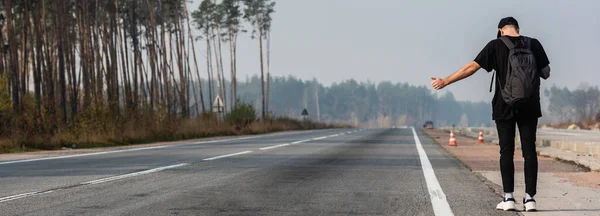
(113, 178)
(275, 146)
(141, 149)
(229, 155)
(133, 174)
(81, 155)
(436, 194)
(320, 138)
(301, 141)
(298, 142)
(18, 196)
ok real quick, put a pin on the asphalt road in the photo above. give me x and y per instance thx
(327, 172)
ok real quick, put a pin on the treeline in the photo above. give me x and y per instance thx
(366, 104)
(581, 105)
(66, 63)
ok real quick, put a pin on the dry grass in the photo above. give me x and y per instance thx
(141, 131)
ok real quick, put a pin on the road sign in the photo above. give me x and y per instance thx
(304, 112)
(218, 105)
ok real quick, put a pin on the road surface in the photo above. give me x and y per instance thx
(327, 172)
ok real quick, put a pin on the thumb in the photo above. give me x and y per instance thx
(434, 78)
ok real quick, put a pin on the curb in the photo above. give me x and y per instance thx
(591, 164)
(588, 162)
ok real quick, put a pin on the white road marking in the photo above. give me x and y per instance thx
(319, 138)
(301, 141)
(141, 149)
(81, 155)
(275, 146)
(224, 156)
(436, 194)
(18, 196)
(133, 174)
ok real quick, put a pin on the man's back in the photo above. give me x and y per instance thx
(494, 56)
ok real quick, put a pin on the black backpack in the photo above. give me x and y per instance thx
(521, 77)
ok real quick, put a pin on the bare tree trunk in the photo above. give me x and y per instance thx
(232, 74)
(37, 78)
(223, 86)
(164, 71)
(262, 74)
(84, 56)
(268, 71)
(317, 101)
(219, 70)
(182, 75)
(23, 73)
(13, 62)
(191, 41)
(61, 58)
(209, 70)
(136, 55)
(234, 78)
(120, 43)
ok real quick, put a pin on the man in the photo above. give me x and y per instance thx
(506, 112)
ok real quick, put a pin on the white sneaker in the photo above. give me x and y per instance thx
(529, 205)
(507, 205)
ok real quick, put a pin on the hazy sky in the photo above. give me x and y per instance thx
(410, 41)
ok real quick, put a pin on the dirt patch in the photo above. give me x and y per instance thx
(583, 179)
(486, 156)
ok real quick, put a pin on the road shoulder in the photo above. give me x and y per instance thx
(570, 189)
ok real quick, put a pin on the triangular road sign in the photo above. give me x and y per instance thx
(304, 112)
(218, 105)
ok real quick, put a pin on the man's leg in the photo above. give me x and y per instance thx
(527, 131)
(506, 134)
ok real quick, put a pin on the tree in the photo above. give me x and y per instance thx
(203, 17)
(191, 41)
(258, 13)
(231, 20)
(13, 61)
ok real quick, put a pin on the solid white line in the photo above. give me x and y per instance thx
(275, 146)
(133, 174)
(229, 155)
(436, 194)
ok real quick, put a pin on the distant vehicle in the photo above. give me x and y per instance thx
(428, 125)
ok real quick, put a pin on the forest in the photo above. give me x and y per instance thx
(367, 104)
(92, 71)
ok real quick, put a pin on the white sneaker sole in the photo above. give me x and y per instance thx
(507, 206)
(530, 208)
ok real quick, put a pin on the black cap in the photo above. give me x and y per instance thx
(507, 21)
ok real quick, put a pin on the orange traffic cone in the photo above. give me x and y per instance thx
(481, 141)
(452, 139)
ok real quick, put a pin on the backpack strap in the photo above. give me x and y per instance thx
(491, 83)
(510, 45)
(507, 42)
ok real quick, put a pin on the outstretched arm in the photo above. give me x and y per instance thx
(464, 72)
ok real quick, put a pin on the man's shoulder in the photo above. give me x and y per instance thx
(532, 39)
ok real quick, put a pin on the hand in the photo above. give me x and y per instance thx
(437, 83)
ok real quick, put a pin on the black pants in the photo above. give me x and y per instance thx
(506, 133)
